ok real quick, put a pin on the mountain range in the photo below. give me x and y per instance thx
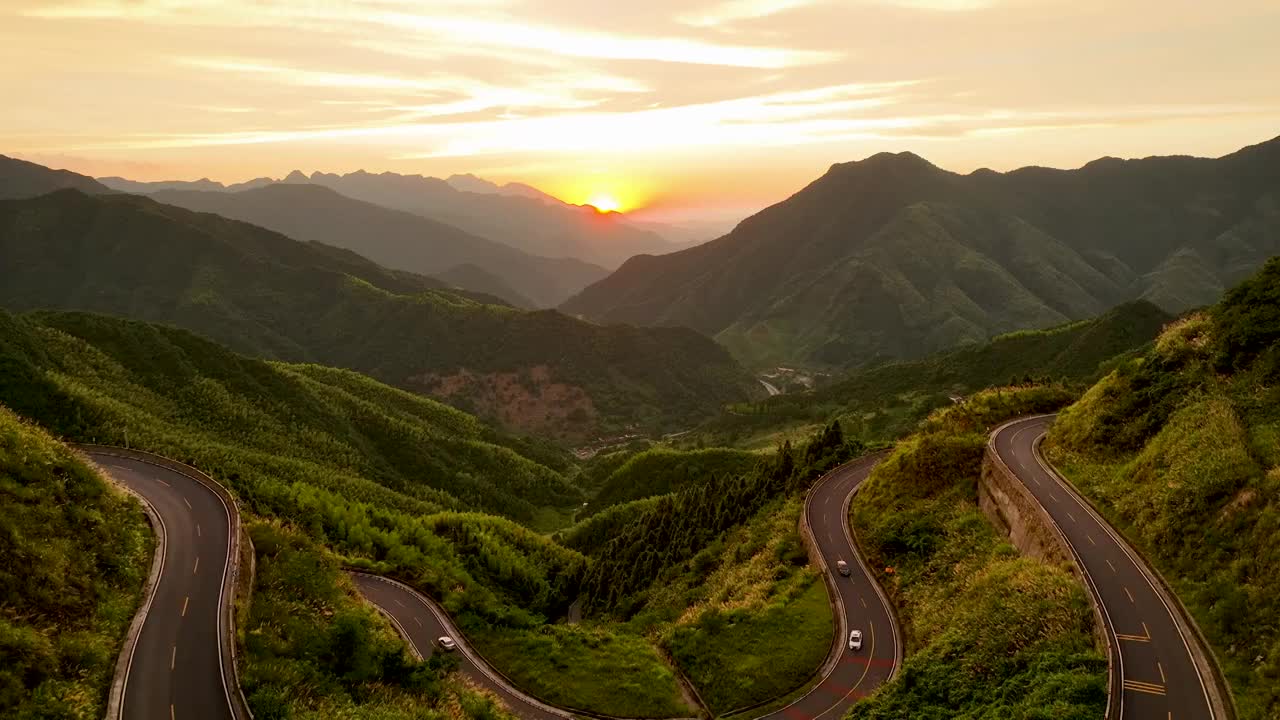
(515, 215)
(396, 239)
(265, 294)
(892, 257)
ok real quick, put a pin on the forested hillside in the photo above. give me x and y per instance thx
(887, 401)
(92, 377)
(76, 555)
(716, 572)
(388, 480)
(893, 258)
(1181, 450)
(314, 649)
(988, 633)
(264, 294)
(660, 471)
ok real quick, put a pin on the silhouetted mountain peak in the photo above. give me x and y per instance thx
(297, 176)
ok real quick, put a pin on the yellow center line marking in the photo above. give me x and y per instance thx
(170, 712)
(1113, 566)
(1073, 517)
(1145, 631)
(188, 502)
(864, 601)
(418, 621)
(163, 482)
(185, 600)
(1091, 540)
(198, 533)
(173, 658)
(196, 569)
(1161, 669)
(1148, 688)
(1053, 497)
(1133, 638)
(1034, 480)
(1126, 592)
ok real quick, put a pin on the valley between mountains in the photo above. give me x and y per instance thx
(262, 447)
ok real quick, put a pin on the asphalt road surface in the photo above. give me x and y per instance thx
(422, 622)
(1155, 676)
(175, 670)
(862, 605)
(860, 602)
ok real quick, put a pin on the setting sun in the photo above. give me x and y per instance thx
(604, 202)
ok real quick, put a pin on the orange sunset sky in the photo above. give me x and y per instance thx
(671, 107)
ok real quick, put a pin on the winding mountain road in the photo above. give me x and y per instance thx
(1154, 674)
(175, 667)
(846, 678)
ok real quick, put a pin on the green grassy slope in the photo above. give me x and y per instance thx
(660, 471)
(1181, 450)
(378, 475)
(185, 396)
(891, 257)
(887, 401)
(314, 650)
(76, 556)
(715, 572)
(749, 619)
(264, 294)
(988, 633)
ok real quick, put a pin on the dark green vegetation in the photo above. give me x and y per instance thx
(314, 650)
(678, 526)
(1181, 450)
(989, 634)
(748, 620)
(92, 377)
(264, 294)
(587, 666)
(887, 401)
(376, 474)
(893, 258)
(75, 558)
(21, 179)
(392, 238)
(715, 571)
(660, 471)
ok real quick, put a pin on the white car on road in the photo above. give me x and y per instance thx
(855, 639)
(446, 642)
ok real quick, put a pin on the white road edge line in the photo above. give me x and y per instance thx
(1141, 566)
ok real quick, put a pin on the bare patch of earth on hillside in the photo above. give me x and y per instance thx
(528, 400)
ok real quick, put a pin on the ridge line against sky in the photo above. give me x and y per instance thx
(680, 106)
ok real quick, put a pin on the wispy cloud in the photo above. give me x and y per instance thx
(733, 10)
(601, 45)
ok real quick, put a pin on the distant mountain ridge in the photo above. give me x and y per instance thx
(264, 294)
(392, 238)
(516, 215)
(892, 258)
(22, 179)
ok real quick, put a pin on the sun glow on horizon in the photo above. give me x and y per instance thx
(604, 202)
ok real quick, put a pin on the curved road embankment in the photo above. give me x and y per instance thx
(1157, 662)
(857, 600)
(178, 661)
